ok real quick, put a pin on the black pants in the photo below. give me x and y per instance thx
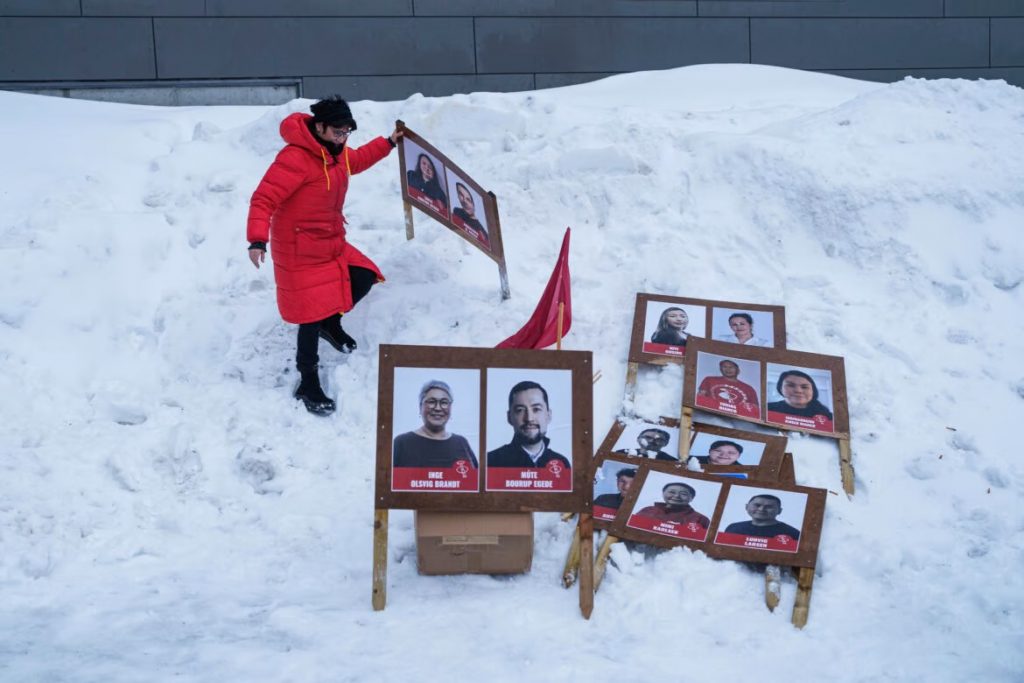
(309, 333)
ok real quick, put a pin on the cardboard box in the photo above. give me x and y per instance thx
(474, 542)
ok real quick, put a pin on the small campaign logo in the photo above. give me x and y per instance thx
(820, 419)
(782, 539)
(555, 468)
(462, 467)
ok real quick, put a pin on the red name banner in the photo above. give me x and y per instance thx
(742, 409)
(818, 422)
(690, 530)
(554, 477)
(435, 205)
(461, 476)
(664, 349)
(478, 236)
(601, 512)
(781, 542)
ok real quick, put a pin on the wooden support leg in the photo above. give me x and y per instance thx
(506, 293)
(409, 232)
(585, 532)
(772, 586)
(685, 424)
(601, 563)
(380, 559)
(572, 561)
(804, 582)
(846, 465)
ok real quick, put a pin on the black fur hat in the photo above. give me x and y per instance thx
(334, 112)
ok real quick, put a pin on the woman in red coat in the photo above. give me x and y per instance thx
(298, 207)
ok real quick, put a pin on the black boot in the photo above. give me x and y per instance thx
(331, 332)
(310, 393)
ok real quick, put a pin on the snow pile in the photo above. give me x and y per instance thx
(167, 510)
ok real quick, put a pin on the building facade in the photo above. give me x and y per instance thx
(270, 51)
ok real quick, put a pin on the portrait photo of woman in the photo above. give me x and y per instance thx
(668, 333)
(801, 403)
(425, 179)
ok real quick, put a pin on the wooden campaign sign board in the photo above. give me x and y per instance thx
(436, 185)
(615, 466)
(663, 326)
(749, 521)
(456, 427)
(791, 390)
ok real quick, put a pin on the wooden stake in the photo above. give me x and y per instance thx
(601, 563)
(409, 232)
(846, 465)
(558, 338)
(585, 531)
(685, 423)
(572, 561)
(380, 559)
(772, 586)
(804, 582)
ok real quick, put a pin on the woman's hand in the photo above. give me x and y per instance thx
(394, 136)
(257, 256)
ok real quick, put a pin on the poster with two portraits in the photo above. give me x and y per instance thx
(750, 521)
(468, 429)
(436, 185)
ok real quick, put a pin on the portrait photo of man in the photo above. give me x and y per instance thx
(529, 456)
(468, 213)
(433, 456)
(607, 503)
(648, 441)
(724, 391)
(757, 524)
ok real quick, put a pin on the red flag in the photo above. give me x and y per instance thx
(541, 329)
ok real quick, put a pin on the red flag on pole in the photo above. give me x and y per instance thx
(543, 329)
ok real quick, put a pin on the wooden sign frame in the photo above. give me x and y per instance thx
(578, 365)
(812, 517)
(766, 361)
(491, 245)
(676, 355)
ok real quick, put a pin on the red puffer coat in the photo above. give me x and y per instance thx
(298, 204)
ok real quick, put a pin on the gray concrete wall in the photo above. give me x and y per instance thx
(260, 51)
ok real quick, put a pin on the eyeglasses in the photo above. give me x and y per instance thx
(437, 403)
(339, 132)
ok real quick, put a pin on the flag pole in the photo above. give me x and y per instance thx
(558, 337)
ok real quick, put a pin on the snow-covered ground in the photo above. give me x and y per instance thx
(169, 512)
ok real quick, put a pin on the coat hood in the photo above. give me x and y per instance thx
(295, 131)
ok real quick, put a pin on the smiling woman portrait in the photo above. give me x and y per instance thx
(431, 444)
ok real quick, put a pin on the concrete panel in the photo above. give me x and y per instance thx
(40, 8)
(265, 48)
(308, 8)
(187, 93)
(821, 8)
(390, 88)
(557, 8)
(569, 45)
(143, 8)
(562, 80)
(89, 49)
(869, 43)
(1008, 42)
(985, 8)
(1010, 75)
